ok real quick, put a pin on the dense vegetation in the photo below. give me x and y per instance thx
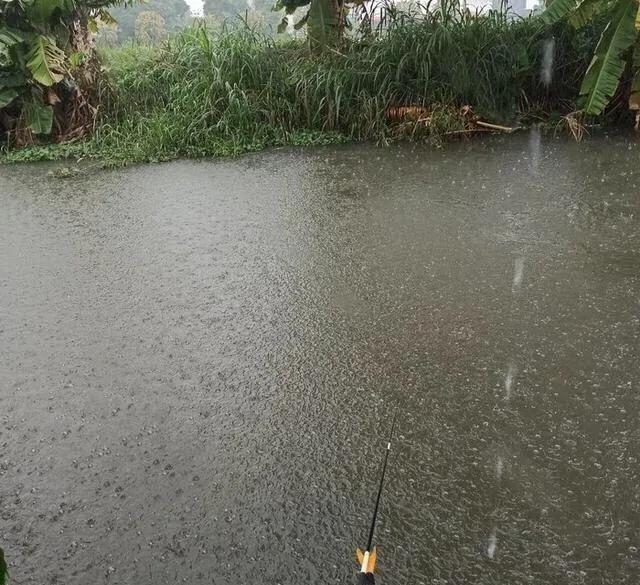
(216, 88)
(48, 70)
(617, 52)
(206, 93)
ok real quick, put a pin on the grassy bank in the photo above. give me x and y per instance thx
(211, 94)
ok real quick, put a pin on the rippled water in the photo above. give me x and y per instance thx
(200, 361)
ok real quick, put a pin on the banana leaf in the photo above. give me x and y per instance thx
(45, 60)
(603, 75)
(39, 117)
(559, 9)
(586, 10)
(7, 95)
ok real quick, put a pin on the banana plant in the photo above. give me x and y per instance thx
(325, 19)
(618, 47)
(38, 56)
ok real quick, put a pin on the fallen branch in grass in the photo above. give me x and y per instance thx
(420, 115)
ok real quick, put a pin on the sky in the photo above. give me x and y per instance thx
(195, 5)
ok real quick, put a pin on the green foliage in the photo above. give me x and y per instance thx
(325, 22)
(207, 93)
(7, 95)
(36, 54)
(607, 66)
(39, 117)
(559, 9)
(46, 61)
(585, 12)
(289, 7)
(325, 19)
(76, 150)
(613, 52)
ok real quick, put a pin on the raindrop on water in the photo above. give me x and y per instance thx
(546, 73)
(493, 544)
(499, 467)
(518, 272)
(535, 148)
(508, 381)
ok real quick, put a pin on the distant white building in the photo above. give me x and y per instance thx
(479, 5)
(518, 7)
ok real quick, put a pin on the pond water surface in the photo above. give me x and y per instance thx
(200, 362)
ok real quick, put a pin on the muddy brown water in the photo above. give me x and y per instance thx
(200, 361)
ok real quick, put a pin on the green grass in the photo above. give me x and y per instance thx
(208, 93)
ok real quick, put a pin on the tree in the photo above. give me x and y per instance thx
(325, 19)
(255, 11)
(150, 28)
(224, 8)
(106, 35)
(176, 15)
(47, 66)
(617, 49)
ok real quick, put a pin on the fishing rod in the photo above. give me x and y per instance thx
(367, 558)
